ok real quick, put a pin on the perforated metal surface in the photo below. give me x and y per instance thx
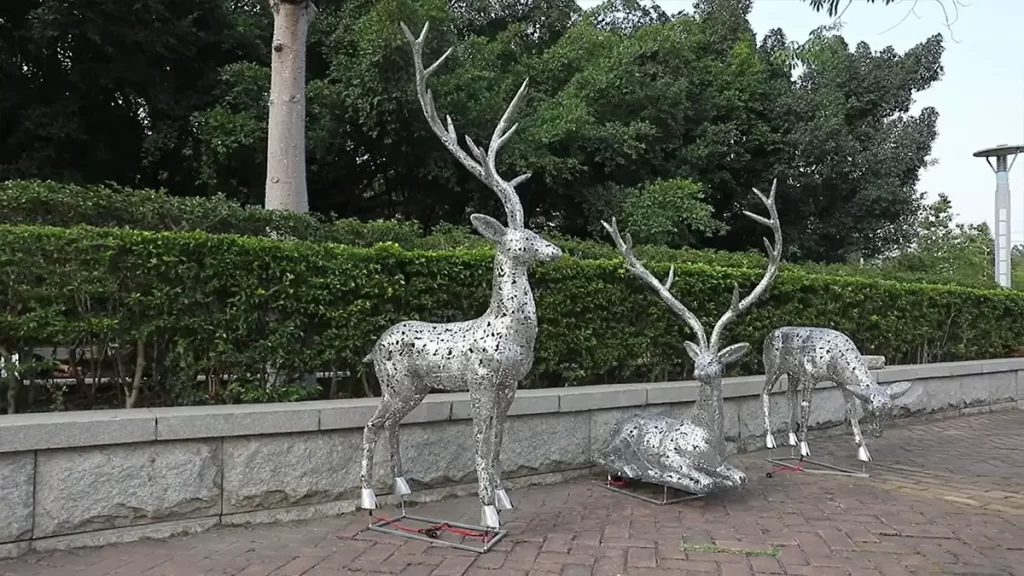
(809, 355)
(689, 454)
(487, 356)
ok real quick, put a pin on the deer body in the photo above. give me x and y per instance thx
(689, 453)
(487, 356)
(451, 357)
(809, 355)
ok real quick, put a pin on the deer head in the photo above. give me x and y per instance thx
(709, 358)
(878, 403)
(515, 242)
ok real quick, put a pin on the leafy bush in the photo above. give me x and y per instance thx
(52, 204)
(224, 307)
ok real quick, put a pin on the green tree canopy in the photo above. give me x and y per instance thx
(632, 112)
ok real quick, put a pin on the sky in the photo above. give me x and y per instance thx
(980, 98)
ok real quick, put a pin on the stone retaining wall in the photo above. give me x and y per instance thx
(87, 478)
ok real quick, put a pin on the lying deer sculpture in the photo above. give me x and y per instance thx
(811, 355)
(689, 454)
(486, 357)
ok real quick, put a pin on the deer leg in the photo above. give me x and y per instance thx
(501, 498)
(399, 487)
(766, 401)
(851, 414)
(693, 481)
(806, 390)
(367, 499)
(794, 410)
(482, 405)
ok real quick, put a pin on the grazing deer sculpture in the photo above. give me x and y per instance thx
(689, 454)
(487, 356)
(810, 355)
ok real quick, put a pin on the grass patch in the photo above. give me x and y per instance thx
(772, 552)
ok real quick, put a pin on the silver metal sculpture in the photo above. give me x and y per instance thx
(810, 355)
(689, 454)
(487, 356)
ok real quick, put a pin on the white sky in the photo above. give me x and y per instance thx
(980, 98)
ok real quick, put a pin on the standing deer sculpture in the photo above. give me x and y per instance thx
(811, 355)
(689, 454)
(487, 356)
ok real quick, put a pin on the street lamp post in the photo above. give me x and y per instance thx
(1001, 233)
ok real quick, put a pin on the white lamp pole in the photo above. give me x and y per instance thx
(1001, 233)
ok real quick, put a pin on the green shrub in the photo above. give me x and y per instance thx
(52, 204)
(225, 305)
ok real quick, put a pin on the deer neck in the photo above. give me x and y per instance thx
(708, 410)
(511, 294)
(855, 373)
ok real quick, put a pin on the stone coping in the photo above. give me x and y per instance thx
(50, 431)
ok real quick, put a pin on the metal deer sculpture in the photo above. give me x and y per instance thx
(487, 356)
(811, 355)
(689, 454)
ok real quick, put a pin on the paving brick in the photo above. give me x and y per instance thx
(764, 564)
(735, 569)
(836, 539)
(303, 564)
(415, 570)
(686, 566)
(454, 566)
(818, 571)
(641, 558)
(900, 521)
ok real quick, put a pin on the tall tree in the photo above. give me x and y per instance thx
(855, 150)
(836, 8)
(94, 90)
(286, 125)
(962, 253)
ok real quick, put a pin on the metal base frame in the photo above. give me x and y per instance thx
(492, 536)
(828, 468)
(664, 500)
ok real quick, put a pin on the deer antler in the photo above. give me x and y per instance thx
(625, 246)
(483, 167)
(737, 306)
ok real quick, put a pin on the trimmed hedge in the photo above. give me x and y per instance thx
(52, 204)
(216, 305)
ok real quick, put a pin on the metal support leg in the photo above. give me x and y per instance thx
(664, 499)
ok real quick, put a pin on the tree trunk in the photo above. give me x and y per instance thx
(140, 363)
(286, 127)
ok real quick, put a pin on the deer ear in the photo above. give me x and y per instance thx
(692, 350)
(860, 392)
(488, 227)
(733, 353)
(898, 389)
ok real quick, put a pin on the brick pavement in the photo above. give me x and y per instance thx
(948, 500)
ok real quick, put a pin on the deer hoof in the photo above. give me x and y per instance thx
(489, 517)
(805, 450)
(769, 441)
(502, 501)
(401, 487)
(367, 499)
(792, 439)
(862, 454)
